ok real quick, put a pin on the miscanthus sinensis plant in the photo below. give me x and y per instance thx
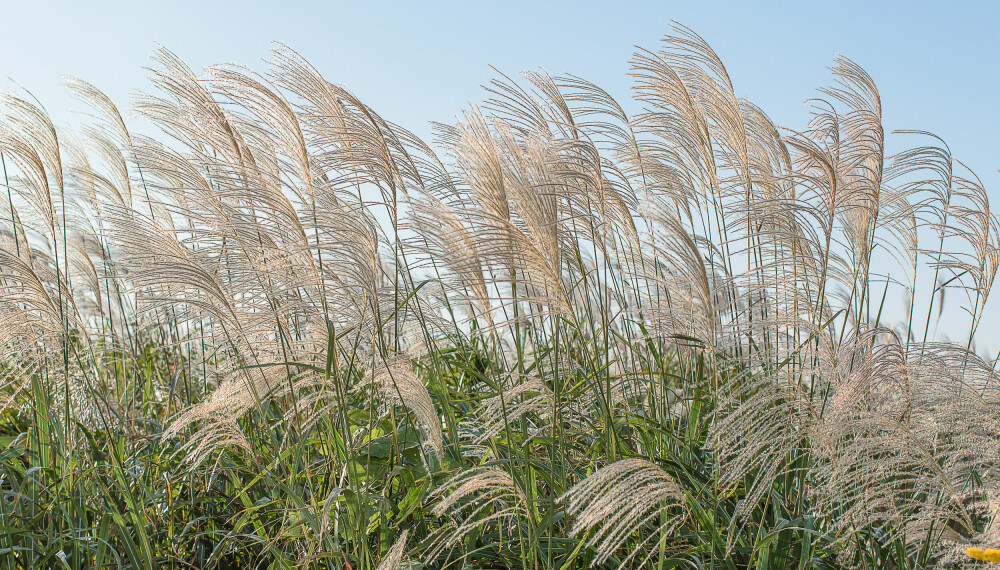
(287, 332)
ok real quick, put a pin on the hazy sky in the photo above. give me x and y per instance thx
(936, 63)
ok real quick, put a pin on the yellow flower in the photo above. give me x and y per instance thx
(988, 555)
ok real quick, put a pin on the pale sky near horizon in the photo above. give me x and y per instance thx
(936, 65)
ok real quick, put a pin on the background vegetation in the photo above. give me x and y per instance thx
(289, 334)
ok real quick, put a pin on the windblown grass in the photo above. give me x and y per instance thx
(289, 333)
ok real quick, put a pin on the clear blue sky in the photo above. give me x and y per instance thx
(937, 64)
